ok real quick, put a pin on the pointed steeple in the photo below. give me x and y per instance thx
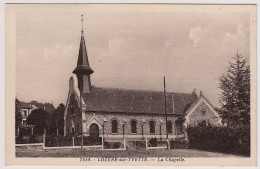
(83, 69)
(83, 64)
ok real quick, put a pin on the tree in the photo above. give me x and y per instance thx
(18, 115)
(57, 120)
(235, 96)
(40, 119)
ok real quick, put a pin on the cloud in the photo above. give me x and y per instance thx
(59, 51)
(237, 41)
(215, 38)
(198, 34)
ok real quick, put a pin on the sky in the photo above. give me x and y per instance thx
(128, 46)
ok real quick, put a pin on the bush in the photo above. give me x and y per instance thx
(112, 145)
(88, 141)
(33, 139)
(153, 142)
(220, 139)
(28, 139)
(21, 140)
(135, 145)
(179, 144)
(58, 141)
(24, 131)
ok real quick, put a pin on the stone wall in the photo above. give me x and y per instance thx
(138, 117)
(203, 113)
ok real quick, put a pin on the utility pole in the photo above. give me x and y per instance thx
(80, 98)
(165, 109)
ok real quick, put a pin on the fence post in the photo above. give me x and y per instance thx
(146, 144)
(102, 143)
(124, 144)
(73, 141)
(43, 139)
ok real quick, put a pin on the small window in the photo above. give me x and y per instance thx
(169, 127)
(133, 126)
(152, 127)
(114, 126)
(203, 123)
(24, 122)
(203, 112)
(25, 113)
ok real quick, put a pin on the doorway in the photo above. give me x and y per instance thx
(93, 130)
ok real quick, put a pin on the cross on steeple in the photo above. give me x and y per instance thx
(83, 70)
(82, 23)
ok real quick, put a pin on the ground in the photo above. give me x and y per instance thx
(121, 153)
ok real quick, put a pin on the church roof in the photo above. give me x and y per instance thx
(139, 101)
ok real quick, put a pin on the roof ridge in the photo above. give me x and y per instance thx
(142, 90)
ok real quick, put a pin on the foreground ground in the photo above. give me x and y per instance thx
(121, 153)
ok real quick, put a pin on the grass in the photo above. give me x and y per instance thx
(123, 153)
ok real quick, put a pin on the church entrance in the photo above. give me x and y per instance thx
(94, 130)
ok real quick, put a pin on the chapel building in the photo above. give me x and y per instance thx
(132, 114)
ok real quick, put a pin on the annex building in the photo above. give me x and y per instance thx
(132, 114)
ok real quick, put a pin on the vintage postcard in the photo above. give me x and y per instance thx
(130, 84)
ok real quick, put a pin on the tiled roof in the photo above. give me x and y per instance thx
(48, 106)
(108, 99)
(24, 105)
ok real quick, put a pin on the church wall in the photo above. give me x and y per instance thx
(203, 113)
(128, 117)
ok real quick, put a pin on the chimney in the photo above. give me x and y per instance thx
(194, 91)
(200, 93)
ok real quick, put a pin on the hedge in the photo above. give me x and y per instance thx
(179, 143)
(87, 141)
(153, 142)
(28, 139)
(220, 139)
(60, 141)
(112, 145)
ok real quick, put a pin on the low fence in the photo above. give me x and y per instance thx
(101, 143)
(88, 143)
(30, 144)
(153, 144)
(59, 142)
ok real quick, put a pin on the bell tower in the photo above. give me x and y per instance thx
(83, 70)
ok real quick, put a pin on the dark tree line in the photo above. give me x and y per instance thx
(51, 121)
(235, 96)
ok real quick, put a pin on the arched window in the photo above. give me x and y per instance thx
(152, 127)
(169, 127)
(203, 123)
(133, 126)
(114, 126)
(72, 127)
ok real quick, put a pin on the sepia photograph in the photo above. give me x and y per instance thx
(131, 84)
